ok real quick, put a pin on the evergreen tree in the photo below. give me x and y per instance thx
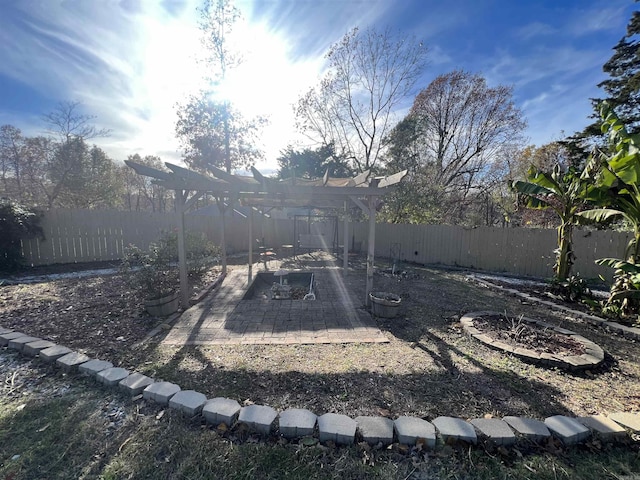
(623, 68)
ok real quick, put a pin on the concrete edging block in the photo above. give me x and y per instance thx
(337, 428)
(112, 376)
(258, 417)
(160, 392)
(567, 429)
(221, 410)
(189, 402)
(297, 422)
(452, 428)
(496, 430)
(135, 383)
(375, 430)
(410, 430)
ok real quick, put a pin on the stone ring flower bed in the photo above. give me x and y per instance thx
(578, 352)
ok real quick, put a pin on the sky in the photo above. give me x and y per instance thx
(130, 62)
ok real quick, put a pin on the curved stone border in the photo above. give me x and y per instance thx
(332, 427)
(625, 331)
(593, 356)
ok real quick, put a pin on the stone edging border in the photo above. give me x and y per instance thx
(629, 332)
(593, 357)
(330, 427)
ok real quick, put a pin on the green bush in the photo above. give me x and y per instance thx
(17, 222)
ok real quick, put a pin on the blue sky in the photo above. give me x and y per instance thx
(129, 62)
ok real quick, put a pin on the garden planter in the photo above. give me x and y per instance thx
(384, 304)
(163, 306)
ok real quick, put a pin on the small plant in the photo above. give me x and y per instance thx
(155, 274)
(518, 327)
(574, 289)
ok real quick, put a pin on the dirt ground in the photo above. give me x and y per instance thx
(430, 367)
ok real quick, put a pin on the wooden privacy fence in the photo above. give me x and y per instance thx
(521, 251)
(75, 236)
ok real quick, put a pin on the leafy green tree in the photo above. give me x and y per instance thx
(622, 90)
(211, 130)
(562, 191)
(214, 133)
(312, 164)
(82, 177)
(17, 222)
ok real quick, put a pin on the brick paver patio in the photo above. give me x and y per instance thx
(224, 317)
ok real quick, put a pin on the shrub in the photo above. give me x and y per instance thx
(155, 273)
(17, 222)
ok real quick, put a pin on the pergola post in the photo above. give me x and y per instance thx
(371, 246)
(345, 241)
(250, 246)
(182, 253)
(223, 234)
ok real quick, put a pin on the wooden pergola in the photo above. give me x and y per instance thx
(260, 192)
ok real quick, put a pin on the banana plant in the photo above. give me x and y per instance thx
(616, 179)
(563, 192)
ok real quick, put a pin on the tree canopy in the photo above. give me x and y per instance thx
(370, 73)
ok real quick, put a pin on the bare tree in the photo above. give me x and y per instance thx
(463, 126)
(67, 122)
(370, 74)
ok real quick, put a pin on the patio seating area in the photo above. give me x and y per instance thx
(224, 317)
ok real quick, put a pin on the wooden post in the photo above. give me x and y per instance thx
(371, 246)
(182, 253)
(345, 241)
(250, 246)
(223, 245)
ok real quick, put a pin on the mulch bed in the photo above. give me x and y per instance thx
(516, 331)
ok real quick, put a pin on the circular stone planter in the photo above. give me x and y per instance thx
(163, 306)
(385, 304)
(593, 356)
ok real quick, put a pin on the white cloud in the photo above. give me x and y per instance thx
(534, 29)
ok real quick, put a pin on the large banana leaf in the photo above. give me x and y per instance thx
(598, 215)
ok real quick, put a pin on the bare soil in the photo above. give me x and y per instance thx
(430, 367)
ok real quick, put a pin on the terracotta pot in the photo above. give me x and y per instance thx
(385, 304)
(163, 306)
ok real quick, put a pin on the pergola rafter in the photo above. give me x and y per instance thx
(258, 191)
